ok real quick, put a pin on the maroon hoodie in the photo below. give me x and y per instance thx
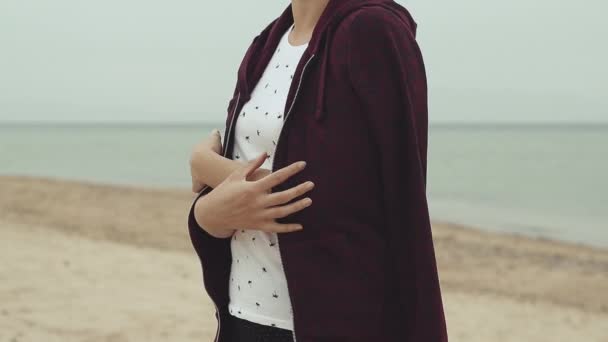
(363, 268)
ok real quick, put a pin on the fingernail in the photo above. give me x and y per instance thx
(307, 201)
(299, 227)
(302, 164)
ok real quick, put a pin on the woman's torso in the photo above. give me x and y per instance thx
(258, 289)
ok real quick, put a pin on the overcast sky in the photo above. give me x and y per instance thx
(152, 60)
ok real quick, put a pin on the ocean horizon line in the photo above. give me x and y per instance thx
(220, 124)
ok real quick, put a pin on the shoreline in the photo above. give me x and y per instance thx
(161, 189)
(125, 251)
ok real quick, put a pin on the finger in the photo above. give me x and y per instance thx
(253, 165)
(285, 196)
(212, 138)
(275, 227)
(284, 210)
(280, 175)
(216, 143)
(216, 135)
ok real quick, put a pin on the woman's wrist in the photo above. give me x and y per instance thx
(206, 223)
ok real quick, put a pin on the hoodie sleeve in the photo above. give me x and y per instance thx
(387, 73)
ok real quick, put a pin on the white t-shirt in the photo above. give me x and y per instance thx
(258, 288)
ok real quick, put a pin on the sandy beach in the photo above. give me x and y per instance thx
(87, 262)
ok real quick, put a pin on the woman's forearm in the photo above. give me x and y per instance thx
(211, 168)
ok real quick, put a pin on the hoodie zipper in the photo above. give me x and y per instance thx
(226, 143)
(236, 105)
(273, 157)
(217, 311)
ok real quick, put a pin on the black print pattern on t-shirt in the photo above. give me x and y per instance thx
(257, 283)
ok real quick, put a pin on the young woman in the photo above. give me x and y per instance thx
(311, 220)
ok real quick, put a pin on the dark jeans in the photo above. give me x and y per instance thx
(245, 331)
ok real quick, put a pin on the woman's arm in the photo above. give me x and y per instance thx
(209, 167)
(241, 195)
(240, 203)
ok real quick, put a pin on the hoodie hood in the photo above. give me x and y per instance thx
(263, 46)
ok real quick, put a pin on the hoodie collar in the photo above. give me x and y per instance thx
(264, 44)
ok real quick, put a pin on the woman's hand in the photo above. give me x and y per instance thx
(200, 153)
(240, 203)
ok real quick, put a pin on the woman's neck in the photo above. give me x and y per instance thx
(306, 13)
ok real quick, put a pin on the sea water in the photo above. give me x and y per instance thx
(549, 181)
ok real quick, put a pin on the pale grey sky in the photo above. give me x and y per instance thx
(136, 60)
